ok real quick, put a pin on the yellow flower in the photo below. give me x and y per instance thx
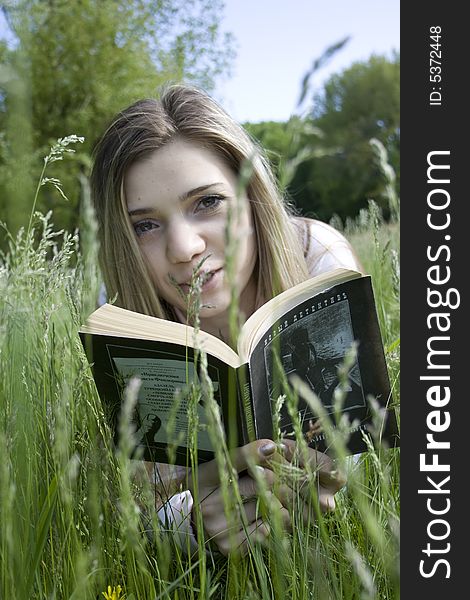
(114, 594)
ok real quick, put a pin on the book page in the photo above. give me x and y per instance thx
(313, 347)
(271, 312)
(170, 408)
(116, 321)
(309, 344)
(160, 382)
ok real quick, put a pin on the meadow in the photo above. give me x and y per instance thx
(72, 507)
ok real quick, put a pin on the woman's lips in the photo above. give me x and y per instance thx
(209, 280)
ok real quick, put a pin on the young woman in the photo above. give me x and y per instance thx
(164, 181)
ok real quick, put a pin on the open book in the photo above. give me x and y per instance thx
(305, 331)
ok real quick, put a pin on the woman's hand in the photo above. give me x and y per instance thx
(321, 476)
(257, 465)
(234, 532)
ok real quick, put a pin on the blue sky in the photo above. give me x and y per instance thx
(277, 41)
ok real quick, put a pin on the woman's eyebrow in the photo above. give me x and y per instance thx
(182, 198)
(198, 190)
(139, 211)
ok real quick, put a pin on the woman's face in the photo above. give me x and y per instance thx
(178, 201)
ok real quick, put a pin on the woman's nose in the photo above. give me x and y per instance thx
(184, 242)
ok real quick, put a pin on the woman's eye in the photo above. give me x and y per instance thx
(143, 227)
(209, 203)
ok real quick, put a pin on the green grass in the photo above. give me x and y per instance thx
(69, 506)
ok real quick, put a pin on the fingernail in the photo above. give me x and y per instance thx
(268, 449)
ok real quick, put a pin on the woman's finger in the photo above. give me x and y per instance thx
(318, 461)
(257, 496)
(275, 511)
(261, 452)
(323, 466)
(240, 542)
(327, 501)
(305, 502)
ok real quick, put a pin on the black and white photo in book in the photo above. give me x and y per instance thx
(314, 348)
(336, 331)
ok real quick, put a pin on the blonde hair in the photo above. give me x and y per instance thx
(147, 125)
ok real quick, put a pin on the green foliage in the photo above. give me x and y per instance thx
(328, 164)
(73, 511)
(75, 64)
(16, 137)
(288, 145)
(356, 105)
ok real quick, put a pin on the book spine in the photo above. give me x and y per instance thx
(248, 426)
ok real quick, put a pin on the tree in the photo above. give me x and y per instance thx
(361, 103)
(83, 60)
(326, 161)
(287, 145)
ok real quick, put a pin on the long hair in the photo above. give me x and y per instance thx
(190, 114)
